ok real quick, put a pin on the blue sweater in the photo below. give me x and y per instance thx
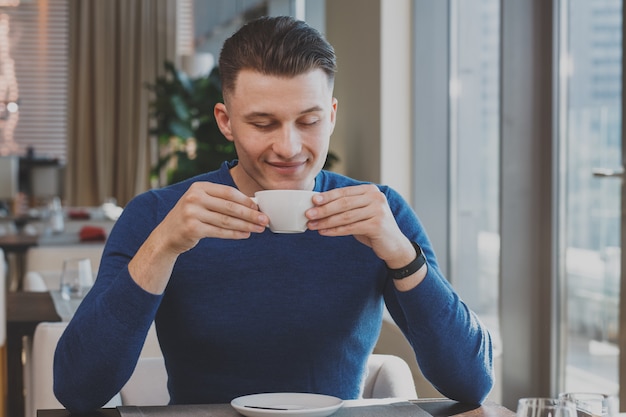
(272, 313)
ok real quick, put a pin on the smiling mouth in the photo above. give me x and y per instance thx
(287, 165)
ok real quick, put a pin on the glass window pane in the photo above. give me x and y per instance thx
(475, 161)
(591, 138)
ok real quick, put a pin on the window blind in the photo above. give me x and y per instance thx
(184, 27)
(39, 43)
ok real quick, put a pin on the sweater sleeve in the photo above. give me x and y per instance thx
(452, 347)
(99, 349)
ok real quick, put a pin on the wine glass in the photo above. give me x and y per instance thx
(76, 278)
(592, 404)
(545, 407)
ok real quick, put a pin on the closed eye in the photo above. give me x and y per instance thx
(309, 121)
(263, 125)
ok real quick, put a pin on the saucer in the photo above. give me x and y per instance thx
(286, 404)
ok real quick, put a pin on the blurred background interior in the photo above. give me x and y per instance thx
(500, 121)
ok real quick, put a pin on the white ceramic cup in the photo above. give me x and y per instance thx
(285, 208)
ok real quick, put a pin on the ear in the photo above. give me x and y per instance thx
(333, 115)
(223, 120)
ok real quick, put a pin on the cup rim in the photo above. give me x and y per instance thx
(282, 191)
(554, 400)
(590, 393)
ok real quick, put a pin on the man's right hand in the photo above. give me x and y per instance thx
(205, 210)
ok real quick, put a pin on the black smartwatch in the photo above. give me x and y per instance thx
(411, 268)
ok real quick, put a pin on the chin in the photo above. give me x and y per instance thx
(290, 185)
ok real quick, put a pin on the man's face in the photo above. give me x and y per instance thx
(281, 128)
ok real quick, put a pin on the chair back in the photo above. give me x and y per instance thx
(148, 383)
(38, 372)
(51, 257)
(34, 281)
(38, 368)
(388, 376)
(45, 263)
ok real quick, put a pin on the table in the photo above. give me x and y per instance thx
(15, 247)
(25, 310)
(435, 407)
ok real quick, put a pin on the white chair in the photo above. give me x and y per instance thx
(388, 376)
(50, 257)
(393, 342)
(148, 383)
(45, 263)
(147, 386)
(41, 281)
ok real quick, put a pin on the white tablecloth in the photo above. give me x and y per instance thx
(65, 308)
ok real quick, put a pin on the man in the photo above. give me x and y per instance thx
(240, 310)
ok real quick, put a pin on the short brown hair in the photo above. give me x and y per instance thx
(281, 46)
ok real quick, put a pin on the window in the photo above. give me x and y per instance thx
(456, 155)
(591, 67)
(39, 42)
(474, 155)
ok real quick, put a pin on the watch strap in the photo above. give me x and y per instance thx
(411, 268)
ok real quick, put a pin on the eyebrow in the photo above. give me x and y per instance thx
(264, 114)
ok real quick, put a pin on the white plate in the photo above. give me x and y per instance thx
(286, 404)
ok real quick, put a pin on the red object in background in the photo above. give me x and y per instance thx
(92, 234)
(78, 214)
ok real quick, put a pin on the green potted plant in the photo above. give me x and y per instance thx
(190, 142)
(182, 111)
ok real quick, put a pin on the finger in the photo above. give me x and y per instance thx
(225, 200)
(223, 192)
(338, 193)
(363, 214)
(198, 228)
(222, 208)
(341, 226)
(348, 199)
(239, 219)
(213, 231)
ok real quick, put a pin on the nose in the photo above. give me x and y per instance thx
(287, 142)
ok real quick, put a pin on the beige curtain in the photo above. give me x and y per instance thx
(116, 47)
